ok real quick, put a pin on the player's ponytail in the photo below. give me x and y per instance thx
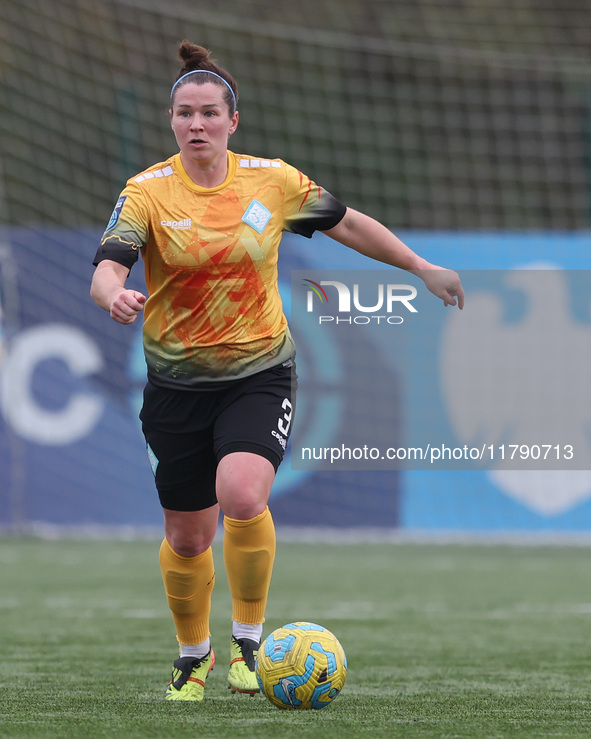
(195, 58)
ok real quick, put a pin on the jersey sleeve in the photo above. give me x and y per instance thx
(309, 207)
(127, 230)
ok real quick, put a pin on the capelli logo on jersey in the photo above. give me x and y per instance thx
(349, 306)
(183, 225)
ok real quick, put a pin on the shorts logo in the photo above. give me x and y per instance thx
(281, 439)
(257, 216)
(153, 459)
(117, 212)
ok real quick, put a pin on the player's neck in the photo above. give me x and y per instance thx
(206, 173)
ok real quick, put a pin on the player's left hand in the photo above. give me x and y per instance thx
(445, 283)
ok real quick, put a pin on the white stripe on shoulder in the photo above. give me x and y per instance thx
(165, 172)
(254, 163)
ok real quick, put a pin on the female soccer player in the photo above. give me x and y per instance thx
(219, 353)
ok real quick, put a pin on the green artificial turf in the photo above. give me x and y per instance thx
(442, 641)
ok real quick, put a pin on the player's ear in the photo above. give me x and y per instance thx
(234, 124)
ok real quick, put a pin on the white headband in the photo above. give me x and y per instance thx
(206, 71)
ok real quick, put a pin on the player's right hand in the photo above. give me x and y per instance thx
(445, 283)
(126, 306)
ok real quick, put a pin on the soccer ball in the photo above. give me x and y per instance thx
(301, 665)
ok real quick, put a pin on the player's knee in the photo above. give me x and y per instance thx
(243, 507)
(243, 485)
(243, 498)
(190, 534)
(188, 544)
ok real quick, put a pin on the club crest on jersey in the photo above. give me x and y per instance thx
(257, 216)
(117, 212)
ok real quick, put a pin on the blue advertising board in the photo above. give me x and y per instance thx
(71, 449)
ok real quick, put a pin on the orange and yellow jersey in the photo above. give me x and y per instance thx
(210, 257)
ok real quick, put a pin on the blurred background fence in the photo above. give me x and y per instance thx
(464, 126)
(428, 114)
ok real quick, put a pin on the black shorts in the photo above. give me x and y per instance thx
(187, 432)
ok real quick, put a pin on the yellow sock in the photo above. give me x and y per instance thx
(249, 553)
(188, 582)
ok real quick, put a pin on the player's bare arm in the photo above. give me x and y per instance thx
(369, 237)
(109, 292)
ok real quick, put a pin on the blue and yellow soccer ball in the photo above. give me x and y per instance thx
(301, 665)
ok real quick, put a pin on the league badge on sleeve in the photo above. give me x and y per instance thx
(117, 212)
